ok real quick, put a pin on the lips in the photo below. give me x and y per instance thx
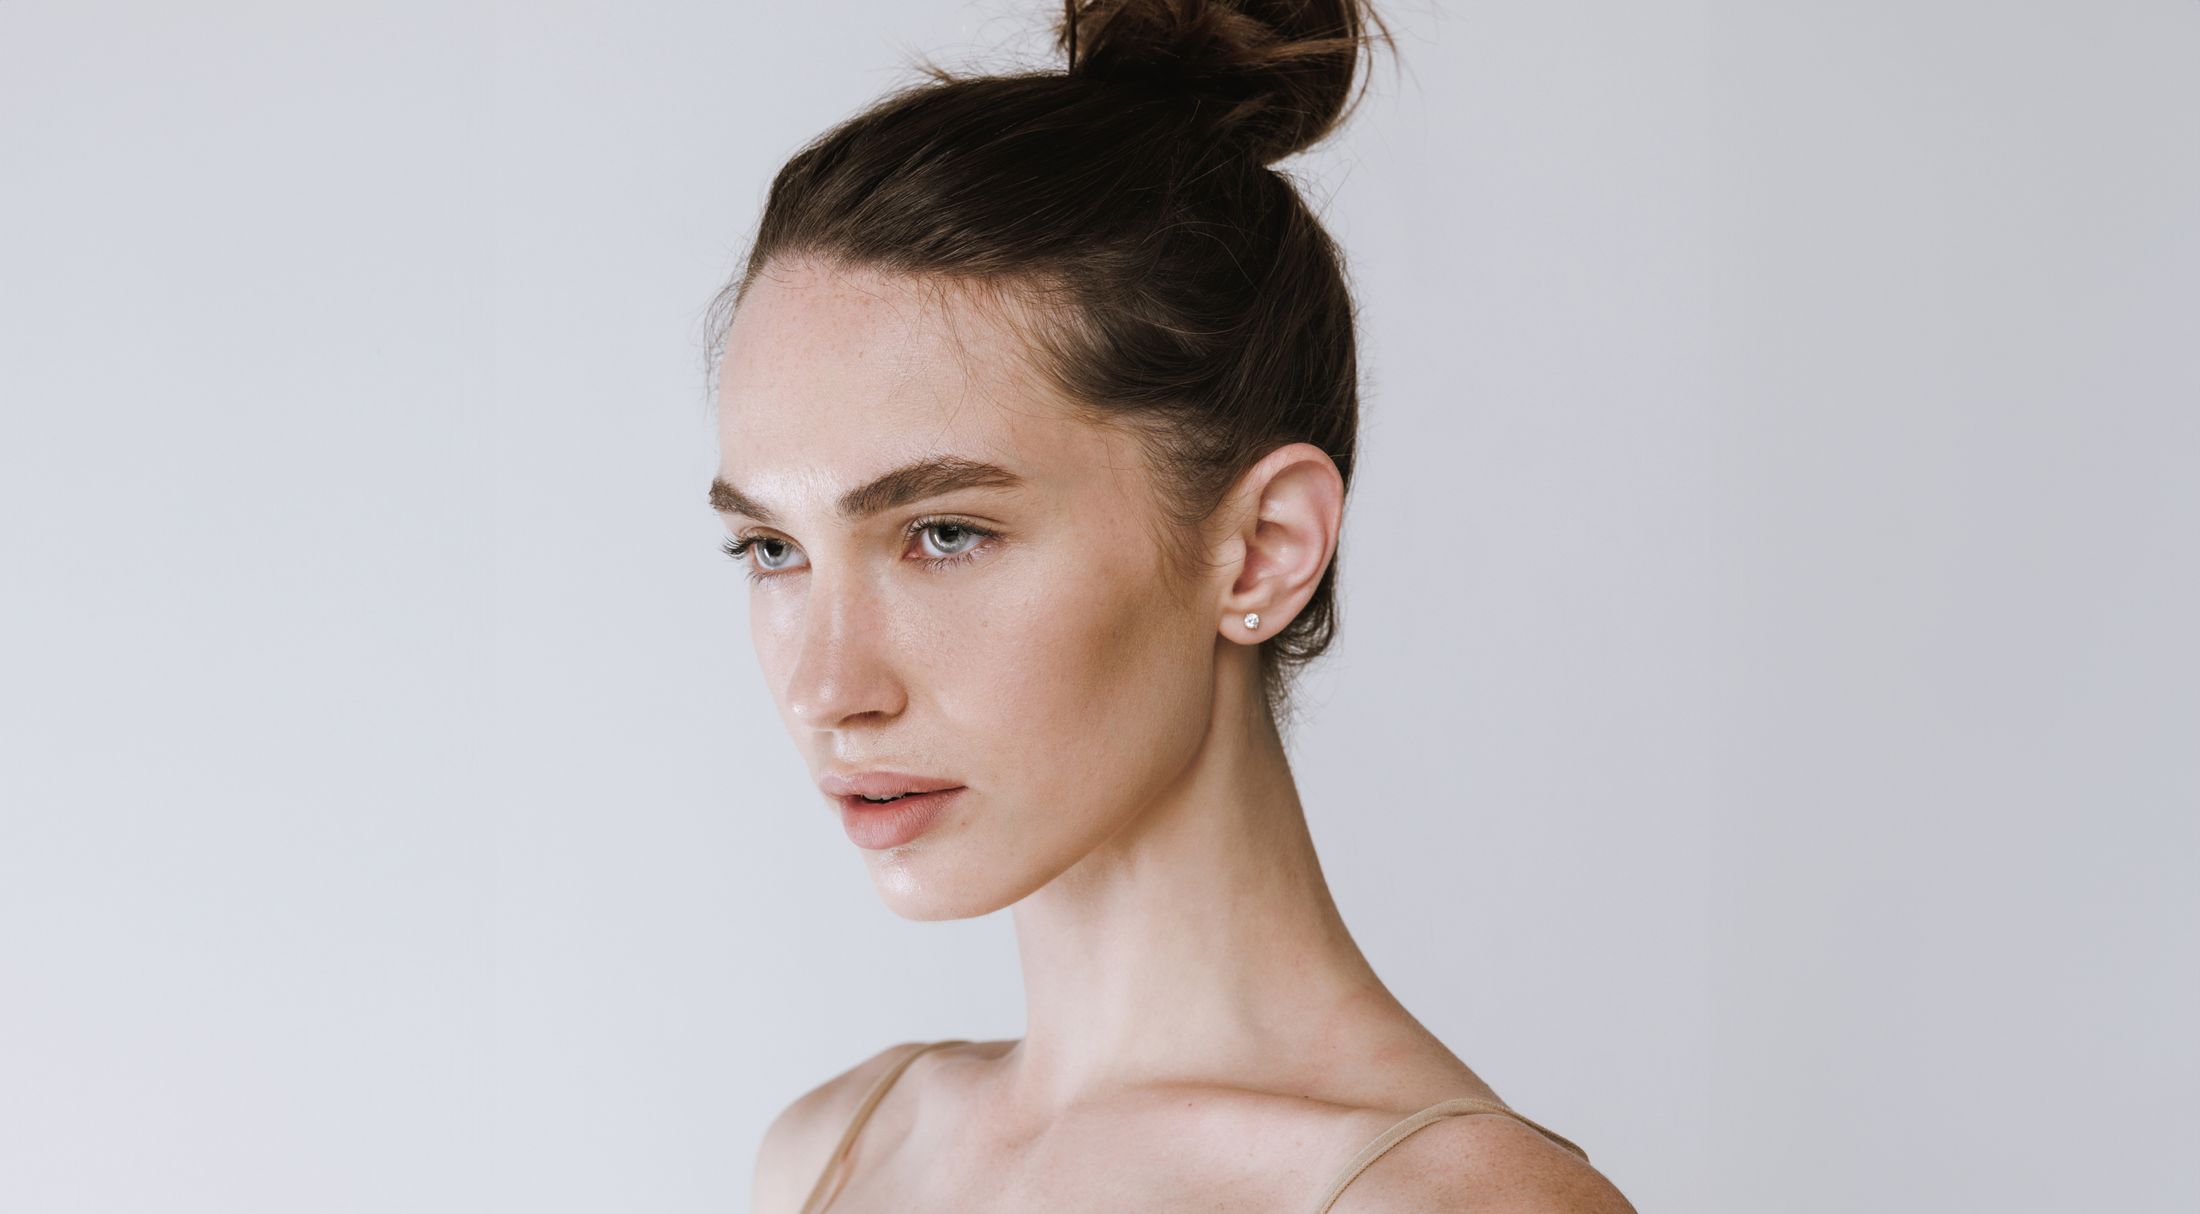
(906, 804)
(878, 785)
(881, 825)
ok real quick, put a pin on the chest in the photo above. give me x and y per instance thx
(1092, 1173)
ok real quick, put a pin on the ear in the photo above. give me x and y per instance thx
(1287, 510)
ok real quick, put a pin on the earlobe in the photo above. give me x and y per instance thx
(1251, 623)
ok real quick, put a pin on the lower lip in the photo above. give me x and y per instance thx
(877, 827)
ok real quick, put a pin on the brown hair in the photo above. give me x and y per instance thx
(1169, 278)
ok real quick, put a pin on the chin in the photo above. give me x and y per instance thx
(926, 888)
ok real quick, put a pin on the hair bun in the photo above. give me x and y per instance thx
(1281, 69)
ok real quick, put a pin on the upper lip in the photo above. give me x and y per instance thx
(879, 783)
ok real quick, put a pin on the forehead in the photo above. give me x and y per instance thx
(831, 375)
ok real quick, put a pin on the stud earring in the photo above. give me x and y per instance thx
(1252, 619)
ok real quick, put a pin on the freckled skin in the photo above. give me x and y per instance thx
(1055, 674)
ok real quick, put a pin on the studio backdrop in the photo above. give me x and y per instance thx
(1761, 736)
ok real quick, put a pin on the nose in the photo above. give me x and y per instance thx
(843, 671)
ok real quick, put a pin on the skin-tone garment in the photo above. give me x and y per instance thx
(820, 1193)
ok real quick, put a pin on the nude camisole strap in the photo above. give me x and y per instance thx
(1391, 1137)
(818, 1195)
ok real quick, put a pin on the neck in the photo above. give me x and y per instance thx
(1200, 941)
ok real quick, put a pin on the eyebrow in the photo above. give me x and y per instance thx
(908, 483)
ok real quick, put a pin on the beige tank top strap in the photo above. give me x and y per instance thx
(818, 1195)
(1391, 1137)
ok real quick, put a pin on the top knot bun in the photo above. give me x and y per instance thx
(1282, 70)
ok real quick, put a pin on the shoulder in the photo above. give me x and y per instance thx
(797, 1143)
(1480, 1164)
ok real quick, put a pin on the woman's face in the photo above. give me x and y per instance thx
(1016, 633)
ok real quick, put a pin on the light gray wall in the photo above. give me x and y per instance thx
(1767, 645)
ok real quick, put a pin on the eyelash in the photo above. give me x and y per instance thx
(738, 549)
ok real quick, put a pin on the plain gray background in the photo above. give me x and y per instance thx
(1762, 739)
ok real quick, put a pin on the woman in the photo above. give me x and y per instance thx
(1038, 400)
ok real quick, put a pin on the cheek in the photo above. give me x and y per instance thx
(774, 632)
(1078, 683)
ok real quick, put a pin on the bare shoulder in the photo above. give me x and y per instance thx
(798, 1141)
(1481, 1164)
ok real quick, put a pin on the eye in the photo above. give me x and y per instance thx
(941, 543)
(961, 539)
(772, 555)
(944, 543)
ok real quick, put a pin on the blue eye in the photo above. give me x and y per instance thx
(971, 535)
(764, 546)
(772, 552)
